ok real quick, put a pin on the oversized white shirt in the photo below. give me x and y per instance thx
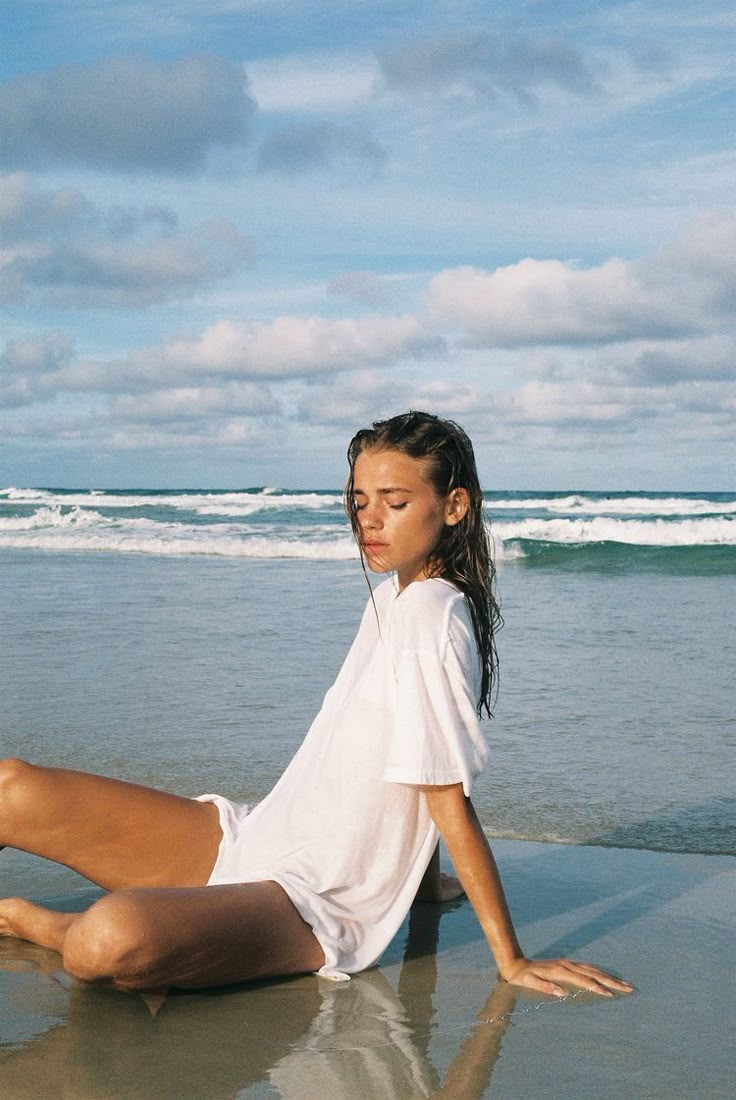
(346, 832)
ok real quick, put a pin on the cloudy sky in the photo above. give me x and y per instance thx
(232, 231)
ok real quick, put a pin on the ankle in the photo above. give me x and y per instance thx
(11, 915)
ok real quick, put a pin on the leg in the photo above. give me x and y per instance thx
(189, 938)
(115, 834)
(29, 921)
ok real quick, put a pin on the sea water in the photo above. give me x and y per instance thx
(185, 640)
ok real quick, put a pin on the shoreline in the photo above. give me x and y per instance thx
(430, 1015)
(500, 838)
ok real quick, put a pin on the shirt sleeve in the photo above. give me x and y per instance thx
(436, 737)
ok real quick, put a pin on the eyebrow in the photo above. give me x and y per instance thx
(385, 492)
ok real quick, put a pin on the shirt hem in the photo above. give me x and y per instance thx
(436, 779)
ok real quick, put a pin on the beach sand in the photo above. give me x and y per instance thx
(430, 1020)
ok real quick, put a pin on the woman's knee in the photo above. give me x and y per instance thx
(114, 939)
(16, 787)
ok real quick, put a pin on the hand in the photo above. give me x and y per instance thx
(544, 975)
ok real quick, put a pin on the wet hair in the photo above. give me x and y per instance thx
(463, 554)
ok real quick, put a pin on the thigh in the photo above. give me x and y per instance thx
(193, 938)
(114, 833)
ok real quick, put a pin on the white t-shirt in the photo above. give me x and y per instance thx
(345, 831)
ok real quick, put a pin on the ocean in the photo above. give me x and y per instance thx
(185, 639)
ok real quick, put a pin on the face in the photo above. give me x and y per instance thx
(400, 516)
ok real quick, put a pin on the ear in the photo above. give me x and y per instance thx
(457, 506)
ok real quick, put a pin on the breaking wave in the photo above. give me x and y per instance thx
(566, 530)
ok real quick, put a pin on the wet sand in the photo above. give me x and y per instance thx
(430, 1020)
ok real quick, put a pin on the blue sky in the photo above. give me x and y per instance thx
(232, 231)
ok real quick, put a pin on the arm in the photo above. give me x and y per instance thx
(473, 860)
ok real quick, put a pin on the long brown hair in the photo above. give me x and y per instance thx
(463, 554)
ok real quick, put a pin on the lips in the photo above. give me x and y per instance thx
(374, 547)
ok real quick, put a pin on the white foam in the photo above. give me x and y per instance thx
(612, 506)
(656, 532)
(246, 502)
(25, 494)
(51, 516)
(244, 505)
(110, 540)
(64, 527)
(214, 504)
(312, 525)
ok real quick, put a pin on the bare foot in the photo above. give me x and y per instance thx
(442, 888)
(449, 888)
(8, 910)
(29, 921)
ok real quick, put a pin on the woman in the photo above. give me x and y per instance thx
(320, 874)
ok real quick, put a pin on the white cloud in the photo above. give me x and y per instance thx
(62, 249)
(27, 212)
(705, 255)
(346, 402)
(573, 401)
(686, 288)
(563, 358)
(541, 301)
(587, 76)
(125, 114)
(696, 178)
(187, 437)
(26, 366)
(187, 403)
(219, 368)
(680, 16)
(664, 362)
(288, 347)
(365, 287)
(365, 396)
(474, 64)
(318, 144)
(313, 82)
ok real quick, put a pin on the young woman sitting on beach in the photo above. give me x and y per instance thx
(320, 874)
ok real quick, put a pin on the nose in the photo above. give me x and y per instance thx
(368, 517)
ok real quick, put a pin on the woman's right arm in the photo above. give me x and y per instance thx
(476, 868)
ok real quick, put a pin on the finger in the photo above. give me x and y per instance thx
(584, 978)
(590, 985)
(552, 971)
(530, 980)
(598, 976)
(618, 984)
(542, 976)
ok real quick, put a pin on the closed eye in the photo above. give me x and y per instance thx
(398, 507)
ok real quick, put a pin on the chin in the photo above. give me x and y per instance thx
(375, 564)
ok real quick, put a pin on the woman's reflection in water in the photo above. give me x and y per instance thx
(469, 1073)
(304, 1037)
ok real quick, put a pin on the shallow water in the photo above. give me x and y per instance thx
(614, 726)
(614, 723)
(431, 1015)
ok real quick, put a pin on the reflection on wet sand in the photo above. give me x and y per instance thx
(298, 1038)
